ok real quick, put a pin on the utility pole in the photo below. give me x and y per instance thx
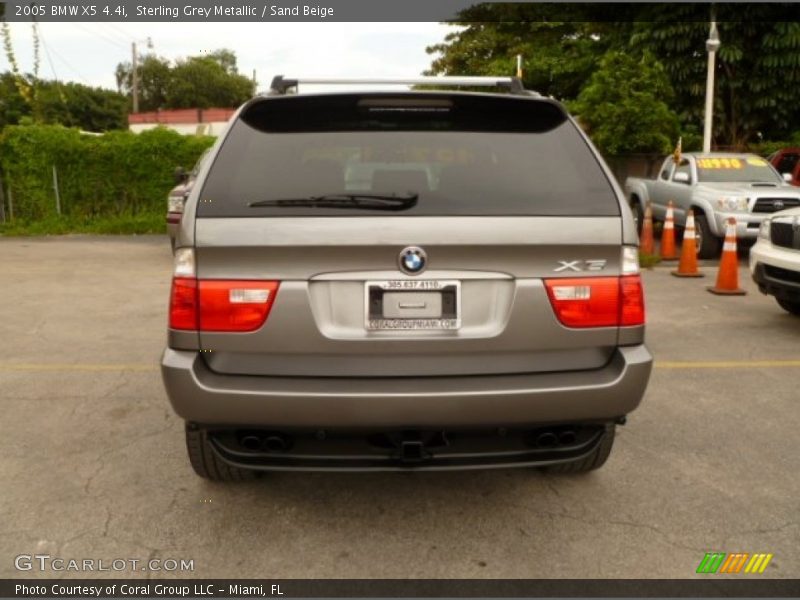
(135, 78)
(712, 45)
(135, 87)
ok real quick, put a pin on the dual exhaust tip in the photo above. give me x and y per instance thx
(260, 442)
(554, 438)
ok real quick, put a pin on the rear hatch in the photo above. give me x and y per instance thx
(338, 198)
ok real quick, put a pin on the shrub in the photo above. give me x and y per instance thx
(625, 106)
(118, 173)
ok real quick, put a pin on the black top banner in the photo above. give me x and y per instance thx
(233, 10)
(400, 588)
(182, 11)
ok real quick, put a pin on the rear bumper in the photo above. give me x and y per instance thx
(406, 450)
(202, 396)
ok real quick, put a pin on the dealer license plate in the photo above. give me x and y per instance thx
(413, 304)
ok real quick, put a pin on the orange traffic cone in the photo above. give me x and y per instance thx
(646, 244)
(728, 275)
(668, 236)
(688, 265)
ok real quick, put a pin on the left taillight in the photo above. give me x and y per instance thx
(183, 303)
(216, 304)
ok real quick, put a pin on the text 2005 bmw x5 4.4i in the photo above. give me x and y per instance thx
(404, 280)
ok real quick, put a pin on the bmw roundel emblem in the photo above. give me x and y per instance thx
(413, 260)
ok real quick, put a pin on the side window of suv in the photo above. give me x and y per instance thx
(666, 172)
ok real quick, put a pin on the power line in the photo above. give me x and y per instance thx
(99, 35)
(120, 31)
(70, 67)
(47, 54)
(59, 87)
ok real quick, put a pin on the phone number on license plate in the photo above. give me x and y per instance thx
(412, 284)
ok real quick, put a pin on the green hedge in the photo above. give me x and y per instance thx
(767, 148)
(115, 174)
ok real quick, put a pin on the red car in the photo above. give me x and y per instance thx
(787, 162)
(177, 197)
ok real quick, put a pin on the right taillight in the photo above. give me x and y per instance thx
(631, 306)
(585, 301)
(597, 301)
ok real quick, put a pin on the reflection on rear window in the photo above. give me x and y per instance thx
(463, 155)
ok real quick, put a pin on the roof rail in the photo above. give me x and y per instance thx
(281, 84)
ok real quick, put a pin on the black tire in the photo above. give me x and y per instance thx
(708, 245)
(594, 461)
(789, 306)
(206, 464)
(638, 215)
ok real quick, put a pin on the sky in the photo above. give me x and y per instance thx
(89, 52)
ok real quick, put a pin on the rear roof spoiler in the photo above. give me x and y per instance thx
(281, 84)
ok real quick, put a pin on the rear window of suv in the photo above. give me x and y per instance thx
(454, 154)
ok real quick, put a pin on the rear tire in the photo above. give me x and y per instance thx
(789, 306)
(594, 461)
(708, 245)
(205, 462)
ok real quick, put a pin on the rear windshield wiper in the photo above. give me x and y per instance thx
(368, 201)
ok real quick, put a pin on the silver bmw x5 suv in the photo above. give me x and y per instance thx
(404, 280)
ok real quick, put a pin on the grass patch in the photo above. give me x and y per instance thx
(114, 225)
(648, 261)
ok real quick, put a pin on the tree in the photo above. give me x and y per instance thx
(68, 104)
(203, 82)
(13, 105)
(154, 81)
(25, 85)
(758, 65)
(559, 45)
(625, 106)
(226, 59)
(194, 82)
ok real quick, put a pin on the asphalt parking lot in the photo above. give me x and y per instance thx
(94, 464)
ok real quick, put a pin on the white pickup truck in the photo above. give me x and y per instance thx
(717, 186)
(775, 259)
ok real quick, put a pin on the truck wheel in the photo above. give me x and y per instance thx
(594, 461)
(206, 464)
(708, 245)
(789, 306)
